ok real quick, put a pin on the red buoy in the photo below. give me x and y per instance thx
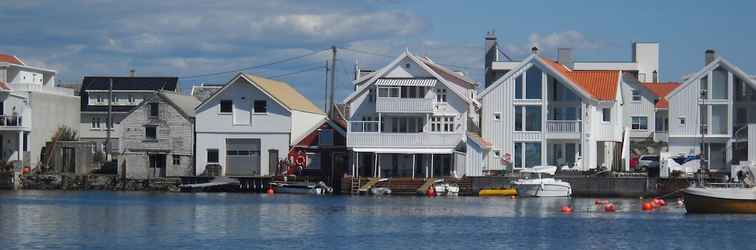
(566, 209)
(270, 191)
(610, 208)
(647, 206)
(430, 192)
(659, 202)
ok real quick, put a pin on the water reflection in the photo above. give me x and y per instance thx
(73, 220)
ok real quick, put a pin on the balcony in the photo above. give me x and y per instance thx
(563, 129)
(661, 136)
(11, 122)
(403, 105)
(365, 134)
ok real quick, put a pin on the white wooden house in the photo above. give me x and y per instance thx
(247, 126)
(409, 119)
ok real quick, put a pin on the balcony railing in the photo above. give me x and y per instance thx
(403, 105)
(357, 139)
(660, 135)
(11, 121)
(563, 127)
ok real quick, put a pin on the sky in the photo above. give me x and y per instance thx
(191, 38)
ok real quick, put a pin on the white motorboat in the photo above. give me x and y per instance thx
(542, 187)
(301, 188)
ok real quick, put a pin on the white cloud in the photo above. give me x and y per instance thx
(550, 42)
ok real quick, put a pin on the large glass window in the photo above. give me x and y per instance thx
(639, 123)
(527, 154)
(719, 119)
(518, 87)
(533, 83)
(528, 118)
(636, 95)
(704, 82)
(719, 84)
(518, 118)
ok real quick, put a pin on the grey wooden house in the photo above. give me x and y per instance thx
(157, 137)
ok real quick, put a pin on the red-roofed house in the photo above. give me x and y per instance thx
(542, 112)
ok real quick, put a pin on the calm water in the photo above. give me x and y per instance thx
(107, 220)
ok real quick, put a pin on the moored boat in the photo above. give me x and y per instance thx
(301, 188)
(542, 187)
(720, 200)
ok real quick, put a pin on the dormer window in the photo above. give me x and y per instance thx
(154, 109)
(226, 106)
(636, 95)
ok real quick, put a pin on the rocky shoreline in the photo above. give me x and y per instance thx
(96, 182)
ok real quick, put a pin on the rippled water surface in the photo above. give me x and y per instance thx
(131, 220)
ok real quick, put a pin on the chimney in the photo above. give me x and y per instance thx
(132, 73)
(491, 55)
(564, 57)
(710, 55)
(534, 50)
(655, 76)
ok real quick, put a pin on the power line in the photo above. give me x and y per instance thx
(297, 72)
(388, 56)
(255, 66)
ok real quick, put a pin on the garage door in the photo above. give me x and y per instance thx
(243, 157)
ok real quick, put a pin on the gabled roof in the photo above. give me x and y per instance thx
(450, 75)
(601, 84)
(598, 85)
(454, 82)
(281, 92)
(477, 139)
(203, 92)
(183, 103)
(11, 59)
(285, 93)
(719, 61)
(129, 83)
(335, 126)
(661, 90)
(4, 86)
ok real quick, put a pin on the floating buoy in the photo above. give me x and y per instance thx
(430, 192)
(680, 202)
(601, 202)
(270, 190)
(647, 206)
(514, 197)
(610, 208)
(566, 209)
(659, 202)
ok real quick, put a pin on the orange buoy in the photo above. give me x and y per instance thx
(610, 208)
(430, 192)
(270, 190)
(566, 209)
(647, 206)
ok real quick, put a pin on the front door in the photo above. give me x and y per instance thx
(272, 162)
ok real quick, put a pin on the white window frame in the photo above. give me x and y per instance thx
(636, 95)
(497, 116)
(99, 99)
(96, 123)
(441, 96)
(633, 123)
(604, 115)
(681, 121)
(146, 138)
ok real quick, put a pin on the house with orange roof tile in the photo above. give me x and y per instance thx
(545, 112)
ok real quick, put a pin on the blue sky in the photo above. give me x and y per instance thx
(183, 38)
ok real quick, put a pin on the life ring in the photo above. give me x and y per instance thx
(300, 160)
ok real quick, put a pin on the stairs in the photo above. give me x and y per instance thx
(371, 182)
(355, 185)
(428, 183)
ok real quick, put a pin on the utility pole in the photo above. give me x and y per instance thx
(108, 125)
(333, 80)
(326, 87)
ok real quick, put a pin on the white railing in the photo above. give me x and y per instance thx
(355, 139)
(10, 121)
(563, 127)
(42, 89)
(403, 105)
(660, 135)
(363, 126)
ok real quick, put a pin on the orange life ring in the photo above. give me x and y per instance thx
(300, 160)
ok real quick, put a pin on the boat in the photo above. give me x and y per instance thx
(542, 187)
(301, 188)
(723, 197)
(446, 189)
(498, 192)
(380, 191)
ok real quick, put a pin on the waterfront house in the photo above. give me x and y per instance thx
(246, 127)
(661, 109)
(128, 92)
(710, 112)
(409, 119)
(157, 137)
(32, 107)
(545, 112)
(321, 151)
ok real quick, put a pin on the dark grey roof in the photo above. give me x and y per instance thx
(129, 83)
(184, 103)
(205, 91)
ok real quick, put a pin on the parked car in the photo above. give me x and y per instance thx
(646, 162)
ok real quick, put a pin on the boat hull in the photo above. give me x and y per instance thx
(711, 201)
(543, 190)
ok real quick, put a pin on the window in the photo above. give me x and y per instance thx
(518, 87)
(527, 118)
(388, 92)
(497, 116)
(212, 156)
(131, 99)
(440, 95)
(226, 106)
(719, 119)
(154, 109)
(533, 84)
(719, 84)
(442, 123)
(261, 106)
(639, 123)
(527, 154)
(99, 98)
(606, 114)
(176, 160)
(114, 98)
(704, 87)
(150, 132)
(682, 120)
(96, 122)
(636, 95)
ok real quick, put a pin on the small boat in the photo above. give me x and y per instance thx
(446, 189)
(380, 191)
(498, 192)
(301, 188)
(542, 187)
(710, 199)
